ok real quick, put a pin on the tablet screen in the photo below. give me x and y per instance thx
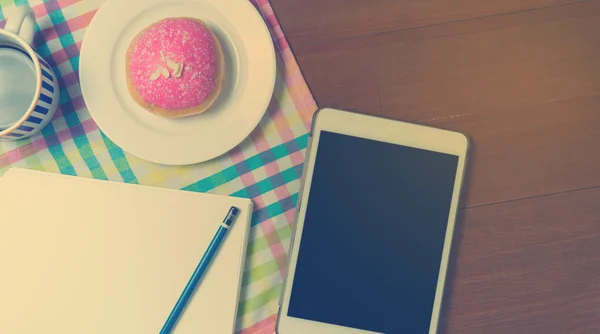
(373, 236)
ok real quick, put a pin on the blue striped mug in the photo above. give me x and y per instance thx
(29, 91)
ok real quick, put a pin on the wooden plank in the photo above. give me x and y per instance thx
(341, 74)
(523, 86)
(530, 266)
(498, 63)
(530, 151)
(316, 21)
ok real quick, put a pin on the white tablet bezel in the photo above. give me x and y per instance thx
(385, 130)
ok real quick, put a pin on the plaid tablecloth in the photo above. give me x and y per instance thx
(265, 167)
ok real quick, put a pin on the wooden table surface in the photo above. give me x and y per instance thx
(522, 79)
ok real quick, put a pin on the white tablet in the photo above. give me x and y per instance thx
(374, 227)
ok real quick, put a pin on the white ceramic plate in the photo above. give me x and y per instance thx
(250, 78)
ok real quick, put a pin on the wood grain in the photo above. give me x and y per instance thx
(317, 21)
(525, 86)
(530, 266)
(530, 151)
(341, 75)
(495, 63)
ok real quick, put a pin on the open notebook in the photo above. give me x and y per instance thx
(88, 256)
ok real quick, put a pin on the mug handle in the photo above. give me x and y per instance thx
(21, 22)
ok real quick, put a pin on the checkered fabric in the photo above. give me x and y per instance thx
(266, 167)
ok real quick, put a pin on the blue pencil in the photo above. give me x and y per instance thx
(199, 272)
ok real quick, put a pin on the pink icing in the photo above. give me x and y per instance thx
(184, 41)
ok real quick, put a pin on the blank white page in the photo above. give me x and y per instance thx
(87, 256)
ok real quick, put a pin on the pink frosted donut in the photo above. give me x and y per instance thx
(175, 67)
